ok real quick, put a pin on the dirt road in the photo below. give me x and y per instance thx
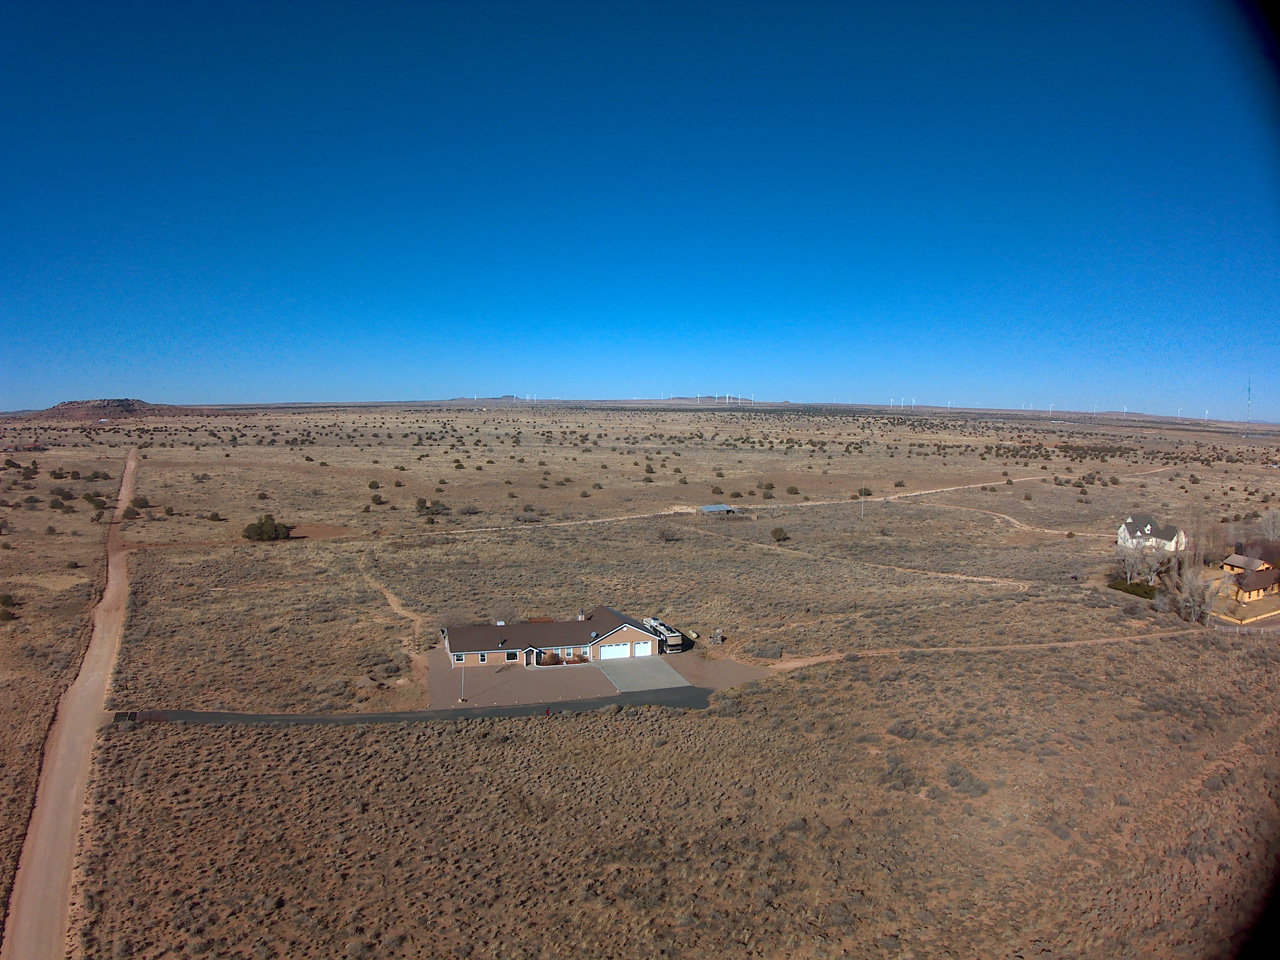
(36, 926)
(785, 665)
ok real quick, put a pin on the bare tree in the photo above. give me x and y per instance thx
(1269, 525)
(1188, 591)
(1132, 562)
(1154, 563)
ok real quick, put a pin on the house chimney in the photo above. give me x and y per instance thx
(581, 614)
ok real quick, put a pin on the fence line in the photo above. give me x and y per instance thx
(1241, 628)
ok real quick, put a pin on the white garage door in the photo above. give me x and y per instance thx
(614, 651)
(644, 649)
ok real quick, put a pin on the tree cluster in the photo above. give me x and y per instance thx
(266, 528)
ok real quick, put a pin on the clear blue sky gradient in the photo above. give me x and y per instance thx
(985, 203)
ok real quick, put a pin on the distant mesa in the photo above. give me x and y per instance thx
(110, 410)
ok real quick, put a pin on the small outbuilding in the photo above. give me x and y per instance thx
(1241, 564)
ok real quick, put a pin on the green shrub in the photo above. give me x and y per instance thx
(1144, 590)
(778, 534)
(793, 490)
(266, 529)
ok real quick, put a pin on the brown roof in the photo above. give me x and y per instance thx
(1245, 563)
(1260, 580)
(488, 637)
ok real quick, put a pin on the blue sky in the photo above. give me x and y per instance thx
(987, 203)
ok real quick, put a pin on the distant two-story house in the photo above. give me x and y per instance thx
(1144, 532)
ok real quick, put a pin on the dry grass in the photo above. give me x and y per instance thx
(54, 579)
(1100, 797)
(984, 805)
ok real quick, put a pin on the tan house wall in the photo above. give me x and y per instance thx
(1243, 596)
(493, 659)
(632, 636)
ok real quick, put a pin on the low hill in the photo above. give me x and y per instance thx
(110, 410)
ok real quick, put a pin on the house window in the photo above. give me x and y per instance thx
(459, 657)
(512, 656)
(484, 658)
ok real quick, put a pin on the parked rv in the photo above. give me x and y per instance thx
(672, 639)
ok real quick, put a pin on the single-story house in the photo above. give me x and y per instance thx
(1240, 564)
(1247, 587)
(1141, 530)
(599, 634)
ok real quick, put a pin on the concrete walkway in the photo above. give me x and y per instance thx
(641, 673)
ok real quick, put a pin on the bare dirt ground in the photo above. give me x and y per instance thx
(972, 748)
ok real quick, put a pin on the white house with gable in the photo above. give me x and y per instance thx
(1142, 531)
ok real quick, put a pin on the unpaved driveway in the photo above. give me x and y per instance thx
(36, 927)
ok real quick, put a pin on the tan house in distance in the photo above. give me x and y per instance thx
(1251, 579)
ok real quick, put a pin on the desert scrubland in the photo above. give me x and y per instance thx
(52, 567)
(938, 782)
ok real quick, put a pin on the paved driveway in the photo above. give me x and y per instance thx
(641, 673)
